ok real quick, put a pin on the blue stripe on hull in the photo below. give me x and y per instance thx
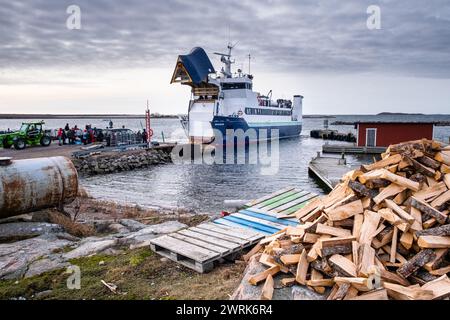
(285, 130)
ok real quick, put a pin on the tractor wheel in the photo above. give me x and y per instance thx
(20, 144)
(6, 145)
(46, 141)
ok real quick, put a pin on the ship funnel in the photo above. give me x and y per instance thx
(297, 108)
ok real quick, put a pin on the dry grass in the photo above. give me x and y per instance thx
(71, 227)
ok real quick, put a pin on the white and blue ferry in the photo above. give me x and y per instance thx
(225, 100)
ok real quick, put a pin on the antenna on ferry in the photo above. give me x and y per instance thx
(249, 58)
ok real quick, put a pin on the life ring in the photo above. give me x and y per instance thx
(150, 133)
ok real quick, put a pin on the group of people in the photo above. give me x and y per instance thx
(76, 135)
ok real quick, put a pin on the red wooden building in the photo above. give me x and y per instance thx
(382, 134)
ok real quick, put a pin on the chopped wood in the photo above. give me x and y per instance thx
(416, 262)
(407, 240)
(394, 247)
(343, 265)
(267, 290)
(441, 271)
(390, 191)
(370, 224)
(440, 287)
(257, 278)
(337, 232)
(342, 291)
(384, 163)
(367, 260)
(429, 210)
(345, 211)
(252, 252)
(433, 242)
(289, 259)
(302, 268)
(362, 190)
(423, 169)
(427, 161)
(438, 231)
(399, 292)
(443, 157)
(401, 213)
(393, 252)
(378, 294)
(287, 282)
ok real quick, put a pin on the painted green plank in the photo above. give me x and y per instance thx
(277, 198)
(295, 208)
(284, 201)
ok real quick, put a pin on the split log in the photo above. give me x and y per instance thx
(399, 292)
(366, 256)
(416, 262)
(427, 161)
(337, 232)
(433, 242)
(438, 261)
(345, 211)
(287, 282)
(383, 163)
(257, 278)
(440, 287)
(438, 231)
(443, 157)
(370, 224)
(342, 291)
(379, 294)
(392, 190)
(343, 265)
(302, 268)
(267, 290)
(401, 213)
(423, 169)
(377, 183)
(362, 190)
(429, 210)
(336, 246)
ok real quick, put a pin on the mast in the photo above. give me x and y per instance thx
(226, 59)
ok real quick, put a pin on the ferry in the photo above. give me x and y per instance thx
(224, 100)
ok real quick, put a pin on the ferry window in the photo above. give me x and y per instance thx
(232, 86)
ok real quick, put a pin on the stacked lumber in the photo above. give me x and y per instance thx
(382, 233)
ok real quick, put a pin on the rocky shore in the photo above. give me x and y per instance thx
(107, 241)
(121, 161)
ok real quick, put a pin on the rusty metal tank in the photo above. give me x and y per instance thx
(35, 184)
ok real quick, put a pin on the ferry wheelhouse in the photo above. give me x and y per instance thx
(226, 101)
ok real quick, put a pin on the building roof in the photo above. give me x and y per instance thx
(193, 68)
(406, 121)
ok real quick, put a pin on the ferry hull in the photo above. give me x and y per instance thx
(285, 129)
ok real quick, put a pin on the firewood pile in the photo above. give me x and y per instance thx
(382, 233)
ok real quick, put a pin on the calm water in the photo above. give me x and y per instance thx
(203, 188)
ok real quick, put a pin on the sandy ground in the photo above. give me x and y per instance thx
(53, 150)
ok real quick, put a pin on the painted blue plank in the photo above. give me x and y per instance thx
(222, 221)
(268, 218)
(251, 224)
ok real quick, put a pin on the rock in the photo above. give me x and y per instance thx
(41, 216)
(44, 265)
(25, 230)
(90, 246)
(142, 237)
(15, 257)
(133, 225)
(118, 228)
(43, 294)
(20, 218)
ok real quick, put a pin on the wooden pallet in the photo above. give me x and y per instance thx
(199, 247)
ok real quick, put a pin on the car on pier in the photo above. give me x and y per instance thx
(29, 134)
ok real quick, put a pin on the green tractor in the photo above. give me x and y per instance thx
(30, 133)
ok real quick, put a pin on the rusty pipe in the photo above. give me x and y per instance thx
(35, 184)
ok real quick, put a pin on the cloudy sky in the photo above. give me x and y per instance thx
(125, 52)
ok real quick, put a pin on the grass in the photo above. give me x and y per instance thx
(138, 274)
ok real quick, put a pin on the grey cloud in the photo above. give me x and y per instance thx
(283, 35)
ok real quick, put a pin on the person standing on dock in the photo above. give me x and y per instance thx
(144, 136)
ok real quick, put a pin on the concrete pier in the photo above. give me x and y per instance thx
(329, 171)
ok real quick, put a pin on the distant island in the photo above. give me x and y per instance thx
(398, 114)
(84, 116)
